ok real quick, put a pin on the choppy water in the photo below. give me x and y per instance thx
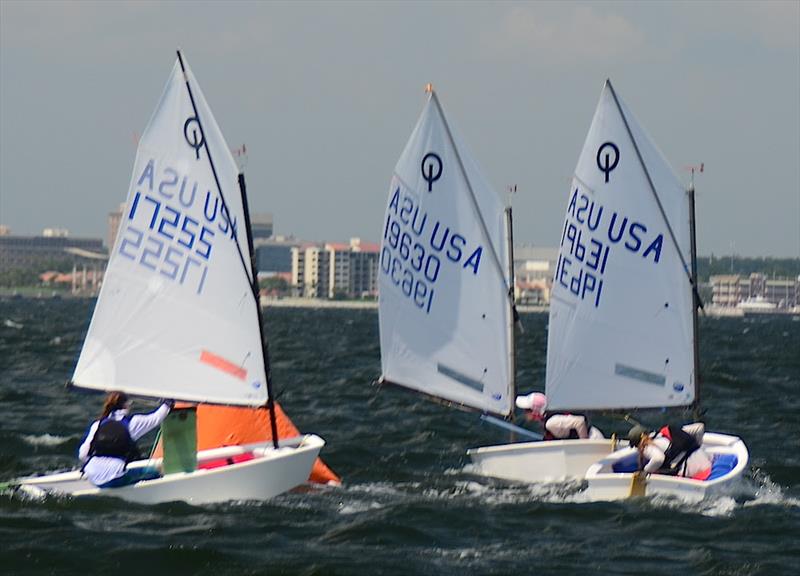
(409, 504)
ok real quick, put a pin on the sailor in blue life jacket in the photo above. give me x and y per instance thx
(673, 450)
(557, 426)
(110, 443)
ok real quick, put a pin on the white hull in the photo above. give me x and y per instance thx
(546, 461)
(605, 484)
(269, 473)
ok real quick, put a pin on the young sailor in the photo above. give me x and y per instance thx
(556, 426)
(110, 443)
(673, 450)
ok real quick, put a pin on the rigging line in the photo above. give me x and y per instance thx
(652, 188)
(213, 168)
(474, 199)
(514, 315)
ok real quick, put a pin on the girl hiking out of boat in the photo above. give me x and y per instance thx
(557, 426)
(673, 450)
(110, 443)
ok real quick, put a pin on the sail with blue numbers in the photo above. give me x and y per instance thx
(621, 307)
(176, 316)
(445, 309)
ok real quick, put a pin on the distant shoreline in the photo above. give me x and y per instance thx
(354, 304)
(318, 304)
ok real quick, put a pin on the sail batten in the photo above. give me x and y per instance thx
(175, 314)
(620, 328)
(444, 306)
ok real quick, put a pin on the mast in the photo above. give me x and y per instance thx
(260, 317)
(696, 303)
(512, 316)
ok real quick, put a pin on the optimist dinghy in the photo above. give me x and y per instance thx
(623, 311)
(445, 279)
(446, 297)
(178, 314)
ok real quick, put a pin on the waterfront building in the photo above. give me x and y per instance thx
(55, 250)
(755, 291)
(533, 273)
(310, 271)
(726, 290)
(335, 270)
(275, 254)
(261, 225)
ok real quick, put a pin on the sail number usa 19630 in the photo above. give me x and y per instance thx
(415, 248)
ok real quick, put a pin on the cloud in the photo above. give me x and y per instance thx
(578, 33)
(776, 24)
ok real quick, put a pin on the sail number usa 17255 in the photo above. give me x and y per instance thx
(171, 226)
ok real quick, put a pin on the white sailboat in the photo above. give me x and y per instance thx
(623, 311)
(622, 326)
(178, 315)
(446, 276)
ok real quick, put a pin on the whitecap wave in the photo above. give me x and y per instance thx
(358, 507)
(769, 493)
(45, 440)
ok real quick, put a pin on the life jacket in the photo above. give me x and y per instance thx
(573, 433)
(113, 439)
(681, 446)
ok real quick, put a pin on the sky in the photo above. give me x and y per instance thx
(325, 95)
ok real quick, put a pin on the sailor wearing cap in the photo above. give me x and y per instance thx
(557, 426)
(673, 450)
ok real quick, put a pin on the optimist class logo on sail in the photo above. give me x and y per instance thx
(171, 225)
(415, 247)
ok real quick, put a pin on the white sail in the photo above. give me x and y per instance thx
(620, 329)
(176, 316)
(444, 305)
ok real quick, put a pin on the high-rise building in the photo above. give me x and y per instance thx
(261, 225)
(335, 270)
(275, 254)
(310, 271)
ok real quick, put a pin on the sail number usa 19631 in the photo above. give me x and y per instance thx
(589, 236)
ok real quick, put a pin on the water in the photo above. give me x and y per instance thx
(409, 504)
